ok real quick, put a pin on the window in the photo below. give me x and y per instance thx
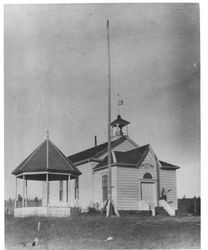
(61, 190)
(76, 188)
(147, 176)
(105, 187)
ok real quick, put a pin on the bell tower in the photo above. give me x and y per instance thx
(118, 125)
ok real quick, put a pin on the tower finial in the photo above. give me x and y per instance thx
(47, 134)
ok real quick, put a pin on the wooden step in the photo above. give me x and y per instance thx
(160, 211)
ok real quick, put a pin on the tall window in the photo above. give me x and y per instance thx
(61, 190)
(76, 188)
(105, 187)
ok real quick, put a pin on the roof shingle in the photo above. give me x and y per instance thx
(132, 157)
(37, 161)
(166, 165)
(93, 152)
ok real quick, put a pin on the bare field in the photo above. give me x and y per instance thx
(91, 232)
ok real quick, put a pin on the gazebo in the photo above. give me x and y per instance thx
(48, 165)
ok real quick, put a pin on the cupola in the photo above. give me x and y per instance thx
(118, 125)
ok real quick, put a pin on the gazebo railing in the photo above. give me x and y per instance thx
(29, 203)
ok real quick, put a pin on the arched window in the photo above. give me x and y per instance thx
(147, 176)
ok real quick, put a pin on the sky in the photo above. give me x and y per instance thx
(56, 69)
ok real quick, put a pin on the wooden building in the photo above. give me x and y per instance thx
(140, 181)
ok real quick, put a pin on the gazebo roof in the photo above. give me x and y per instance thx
(46, 158)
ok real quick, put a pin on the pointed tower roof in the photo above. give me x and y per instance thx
(47, 158)
(120, 122)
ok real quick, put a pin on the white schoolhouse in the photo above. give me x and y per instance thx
(140, 181)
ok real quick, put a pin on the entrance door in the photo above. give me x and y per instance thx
(148, 192)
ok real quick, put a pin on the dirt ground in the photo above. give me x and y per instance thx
(91, 232)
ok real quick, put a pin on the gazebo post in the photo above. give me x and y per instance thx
(26, 194)
(47, 166)
(23, 200)
(67, 191)
(47, 190)
(15, 205)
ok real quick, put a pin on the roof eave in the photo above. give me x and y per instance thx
(170, 167)
(78, 163)
(103, 167)
(70, 172)
(117, 165)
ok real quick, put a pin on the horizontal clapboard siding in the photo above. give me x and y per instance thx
(85, 186)
(128, 188)
(98, 192)
(168, 181)
(149, 159)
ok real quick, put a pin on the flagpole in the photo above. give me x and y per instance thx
(109, 206)
(118, 104)
(109, 119)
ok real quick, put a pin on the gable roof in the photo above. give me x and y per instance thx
(166, 165)
(93, 152)
(131, 157)
(134, 156)
(37, 161)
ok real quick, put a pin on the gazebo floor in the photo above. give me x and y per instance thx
(42, 211)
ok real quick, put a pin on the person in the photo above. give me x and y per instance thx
(36, 201)
(163, 195)
(19, 200)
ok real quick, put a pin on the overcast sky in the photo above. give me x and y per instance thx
(56, 79)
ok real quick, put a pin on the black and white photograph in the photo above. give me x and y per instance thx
(102, 126)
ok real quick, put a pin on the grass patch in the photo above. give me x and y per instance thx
(89, 232)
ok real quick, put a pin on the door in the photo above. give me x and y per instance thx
(148, 192)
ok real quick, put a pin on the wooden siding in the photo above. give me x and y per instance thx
(128, 188)
(149, 159)
(90, 187)
(90, 184)
(129, 183)
(98, 196)
(85, 186)
(126, 183)
(168, 181)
